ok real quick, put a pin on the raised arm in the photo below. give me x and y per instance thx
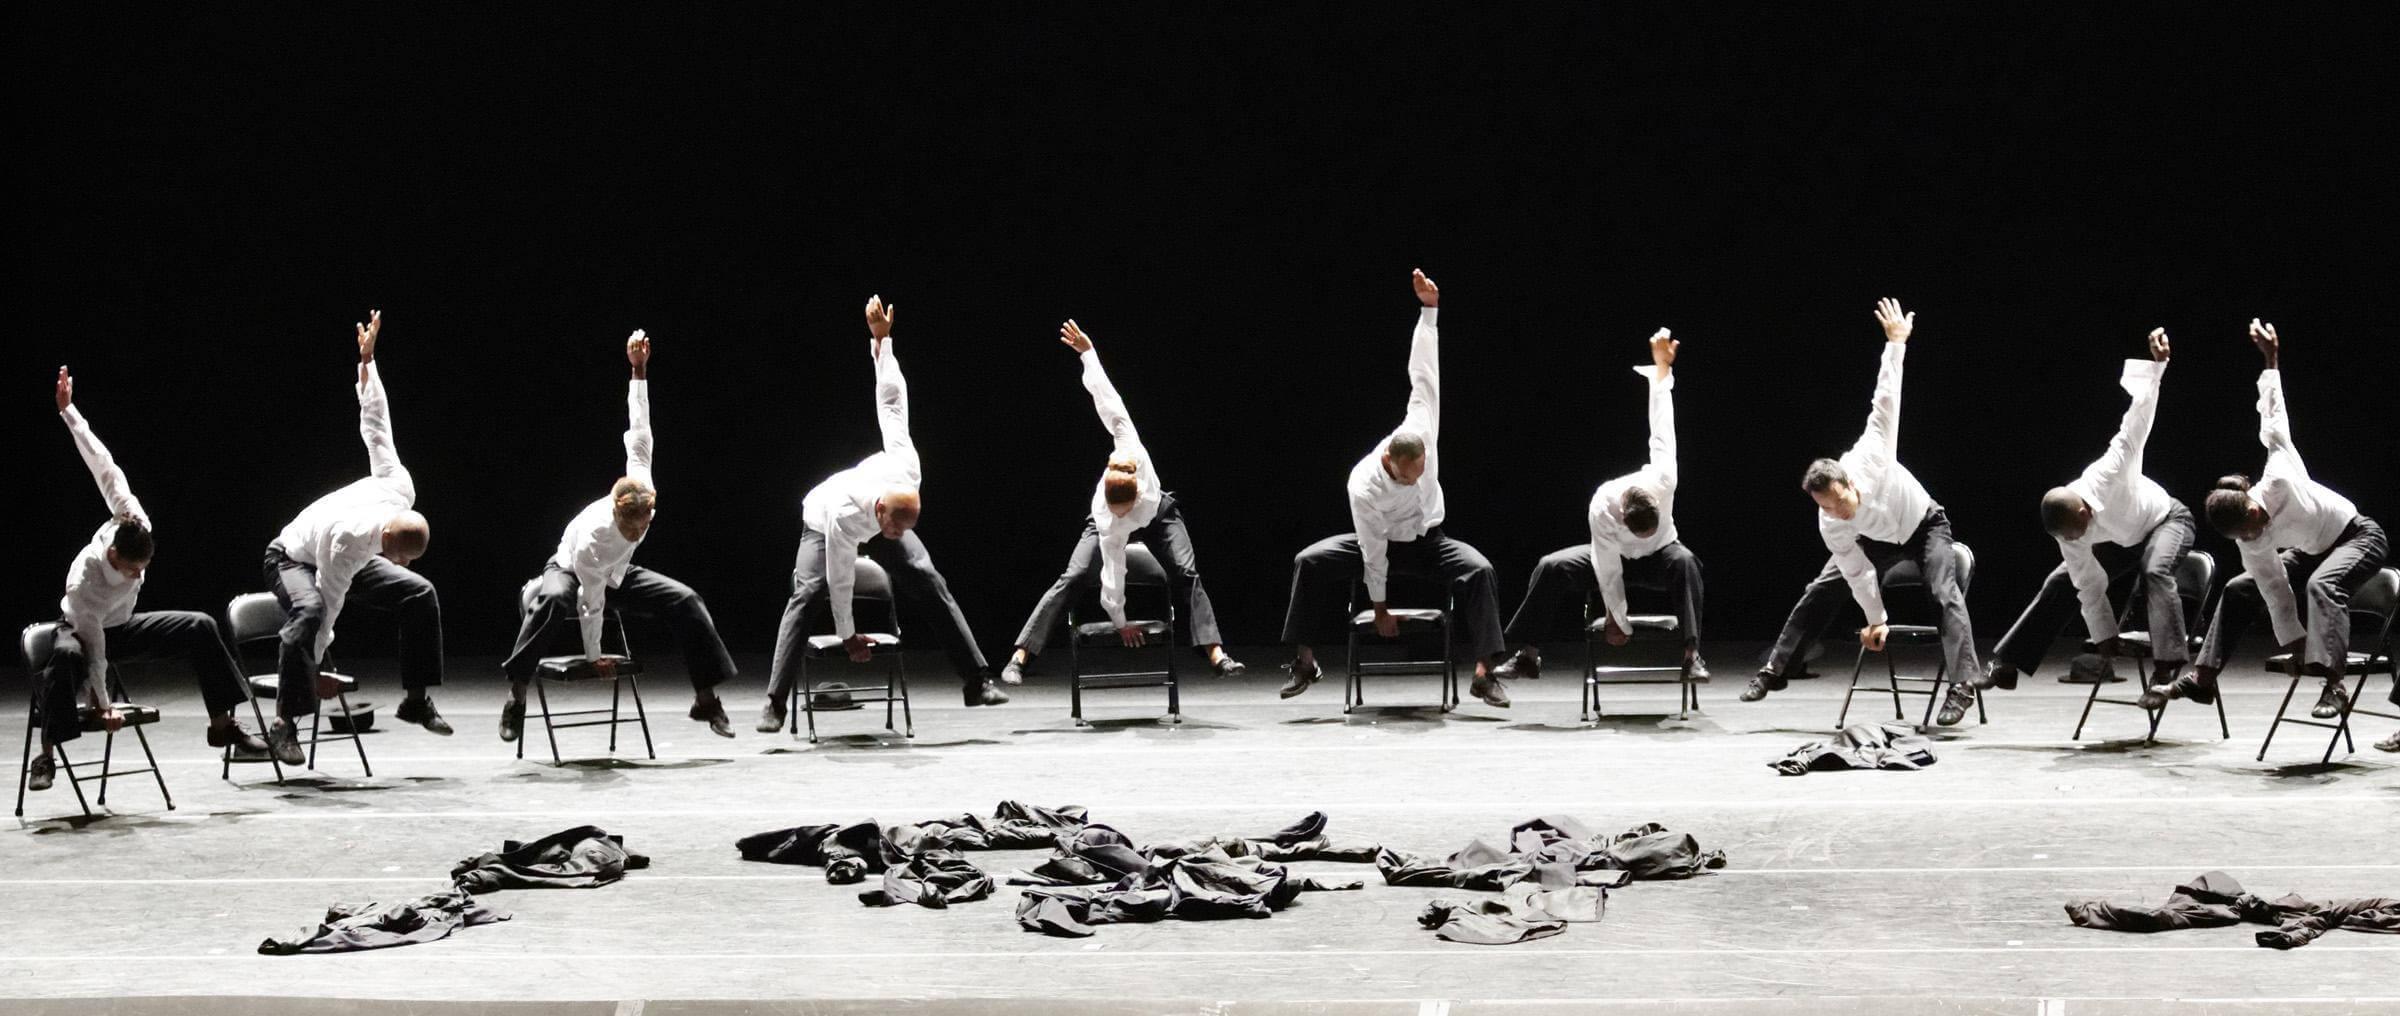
(2123, 460)
(638, 440)
(891, 389)
(374, 409)
(1425, 364)
(1882, 438)
(113, 487)
(1105, 399)
(2274, 424)
(1662, 404)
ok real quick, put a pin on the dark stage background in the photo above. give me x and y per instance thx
(209, 198)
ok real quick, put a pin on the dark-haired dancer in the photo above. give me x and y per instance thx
(2286, 525)
(593, 572)
(99, 622)
(1129, 504)
(2111, 503)
(1874, 515)
(1632, 521)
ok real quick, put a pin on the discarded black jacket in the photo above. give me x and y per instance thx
(849, 853)
(350, 927)
(1200, 887)
(1860, 746)
(934, 880)
(1555, 852)
(1522, 913)
(584, 857)
(1097, 854)
(2215, 900)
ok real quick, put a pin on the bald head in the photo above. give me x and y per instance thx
(896, 512)
(2065, 514)
(405, 538)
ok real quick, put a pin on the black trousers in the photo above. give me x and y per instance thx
(1169, 540)
(382, 587)
(1928, 555)
(644, 594)
(2321, 582)
(1564, 582)
(186, 635)
(2029, 639)
(1323, 573)
(924, 599)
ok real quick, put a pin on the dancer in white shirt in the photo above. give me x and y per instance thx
(1397, 514)
(2292, 531)
(1633, 539)
(1130, 503)
(355, 545)
(593, 572)
(99, 623)
(2111, 505)
(872, 508)
(1873, 515)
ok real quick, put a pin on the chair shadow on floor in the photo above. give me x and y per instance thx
(100, 824)
(1660, 725)
(1410, 719)
(1153, 727)
(2313, 773)
(356, 785)
(878, 743)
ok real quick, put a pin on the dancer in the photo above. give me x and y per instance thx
(99, 623)
(2112, 503)
(593, 572)
(1396, 511)
(872, 509)
(1129, 504)
(355, 545)
(1632, 520)
(1873, 515)
(2286, 525)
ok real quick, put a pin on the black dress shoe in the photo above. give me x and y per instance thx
(512, 719)
(770, 719)
(1489, 690)
(42, 773)
(1226, 666)
(419, 710)
(1997, 675)
(1698, 668)
(985, 694)
(1955, 705)
(1013, 672)
(2195, 687)
(283, 737)
(1301, 678)
(2331, 701)
(2154, 697)
(1763, 682)
(1524, 663)
(711, 711)
(2391, 743)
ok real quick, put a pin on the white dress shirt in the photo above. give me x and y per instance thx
(1612, 540)
(1384, 510)
(1891, 503)
(99, 596)
(843, 507)
(2125, 505)
(342, 531)
(2302, 514)
(592, 547)
(1114, 531)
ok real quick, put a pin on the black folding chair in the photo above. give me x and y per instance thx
(871, 585)
(1906, 577)
(2193, 576)
(255, 617)
(35, 642)
(576, 669)
(2371, 611)
(1142, 571)
(1414, 622)
(1647, 628)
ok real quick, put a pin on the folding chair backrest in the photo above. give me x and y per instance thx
(2193, 576)
(36, 641)
(871, 582)
(1966, 565)
(2374, 604)
(252, 617)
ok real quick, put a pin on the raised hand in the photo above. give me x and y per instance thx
(2158, 345)
(66, 388)
(1896, 323)
(1427, 293)
(1072, 334)
(1662, 350)
(366, 342)
(637, 353)
(2269, 344)
(879, 321)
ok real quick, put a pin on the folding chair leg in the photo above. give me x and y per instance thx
(2088, 699)
(1174, 679)
(2224, 732)
(1856, 669)
(641, 716)
(808, 700)
(2288, 689)
(616, 699)
(144, 738)
(25, 758)
(108, 760)
(1450, 698)
(68, 768)
(541, 691)
(890, 691)
(2341, 729)
(1075, 677)
(907, 718)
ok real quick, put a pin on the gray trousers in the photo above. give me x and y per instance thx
(186, 635)
(1927, 557)
(380, 586)
(2029, 639)
(2323, 584)
(1564, 582)
(924, 598)
(644, 594)
(1323, 574)
(1169, 540)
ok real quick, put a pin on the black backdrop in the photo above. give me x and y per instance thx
(1231, 205)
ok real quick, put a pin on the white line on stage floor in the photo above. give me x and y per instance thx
(812, 878)
(1159, 954)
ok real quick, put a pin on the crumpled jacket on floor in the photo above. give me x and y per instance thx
(1860, 746)
(1556, 852)
(934, 880)
(584, 857)
(849, 853)
(1207, 886)
(350, 927)
(1098, 853)
(2215, 900)
(1521, 913)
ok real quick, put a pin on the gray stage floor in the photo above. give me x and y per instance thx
(1933, 891)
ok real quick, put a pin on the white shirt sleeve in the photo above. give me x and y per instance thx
(891, 411)
(638, 440)
(337, 566)
(1425, 381)
(2274, 588)
(1374, 546)
(114, 488)
(375, 428)
(1662, 424)
(90, 628)
(1112, 573)
(2117, 467)
(1856, 569)
(1879, 446)
(1126, 442)
(1608, 575)
(591, 594)
(2275, 426)
(2091, 589)
(841, 579)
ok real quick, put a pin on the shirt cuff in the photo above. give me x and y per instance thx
(1429, 315)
